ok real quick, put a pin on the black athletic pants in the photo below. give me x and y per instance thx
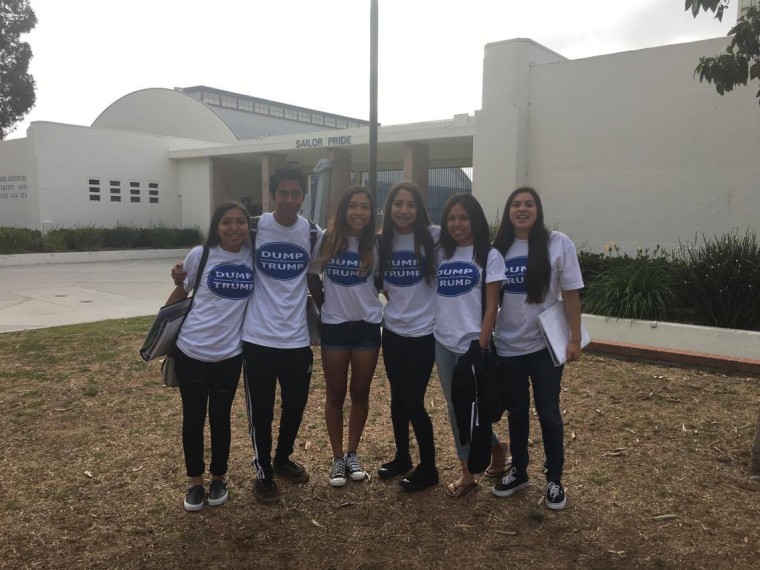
(408, 364)
(263, 367)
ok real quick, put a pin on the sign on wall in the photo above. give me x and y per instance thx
(13, 187)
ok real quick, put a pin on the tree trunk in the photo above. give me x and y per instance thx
(756, 449)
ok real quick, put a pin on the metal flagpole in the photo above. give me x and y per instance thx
(372, 181)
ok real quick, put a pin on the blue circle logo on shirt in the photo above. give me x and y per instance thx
(514, 275)
(282, 261)
(457, 278)
(405, 269)
(230, 281)
(344, 269)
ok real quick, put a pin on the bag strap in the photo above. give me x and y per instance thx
(201, 267)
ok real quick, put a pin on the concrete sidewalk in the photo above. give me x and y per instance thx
(69, 291)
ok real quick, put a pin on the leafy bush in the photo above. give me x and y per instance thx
(80, 239)
(20, 240)
(120, 237)
(188, 237)
(722, 280)
(646, 286)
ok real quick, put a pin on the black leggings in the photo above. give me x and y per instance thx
(205, 385)
(408, 364)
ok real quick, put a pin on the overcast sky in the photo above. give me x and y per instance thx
(315, 53)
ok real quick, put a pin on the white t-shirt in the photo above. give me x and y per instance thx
(211, 332)
(517, 329)
(276, 315)
(458, 302)
(409, 311)
(350, 296)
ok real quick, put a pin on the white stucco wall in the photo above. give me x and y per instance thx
(18, 190)
(627, 147)
(165, 112)
(195, 196)
(68, 157)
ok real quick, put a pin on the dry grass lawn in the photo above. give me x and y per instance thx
(92, 474)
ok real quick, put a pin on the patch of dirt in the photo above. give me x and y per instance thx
(656, 474)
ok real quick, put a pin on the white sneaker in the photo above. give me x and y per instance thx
(337, 476)
(354, 467)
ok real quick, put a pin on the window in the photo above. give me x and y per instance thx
(94, 182)
(230, 102)
(115, 190)
(291, 114)
(135, 199)
(245, 105)
(135, 192)
(353, 124)
(154, 200)
(94, 190)
(211, 98)
(153, 192)
(330, 121)
(115, 183)
(94, 197)
(262, 108)
(134, 184)
(317, 119)
(152, 184)
(115, 198)
(342, 123)
(276, 111)
(304, 117)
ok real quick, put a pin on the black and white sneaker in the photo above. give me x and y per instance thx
(217, 492)
(354, 467)
(194, 498)
(512, 482)
(555, 496)
(337, 476)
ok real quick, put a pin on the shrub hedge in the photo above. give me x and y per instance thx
(23, 240)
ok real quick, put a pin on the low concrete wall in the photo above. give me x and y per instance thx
(89, 256)
(729, 343)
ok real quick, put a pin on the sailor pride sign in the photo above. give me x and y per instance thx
(457, 278)
(282, 261)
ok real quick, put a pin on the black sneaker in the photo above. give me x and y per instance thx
(512, 482)
(194, 498)
(555, 496)
(266, 491)
(400, 465)
(217, 492)
(421, 478)
(291, 470)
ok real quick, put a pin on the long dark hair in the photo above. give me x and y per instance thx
(336, 238)
(539, 269)
(424, 248)
(212, 237)
(478, 224)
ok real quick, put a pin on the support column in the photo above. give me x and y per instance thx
(340, 178)
(416, 157)
(269, 163)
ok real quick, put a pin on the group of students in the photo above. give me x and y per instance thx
(448, 290)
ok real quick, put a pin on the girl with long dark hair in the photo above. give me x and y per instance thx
(541, 269)
(460, 318)
(209, 351)
(351, 314)
(407, 253)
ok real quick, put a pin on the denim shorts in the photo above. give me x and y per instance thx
(351, 335)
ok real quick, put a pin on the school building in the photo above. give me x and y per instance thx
(627, 148)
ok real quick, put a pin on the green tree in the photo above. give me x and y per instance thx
(740, 61)
(16, 84)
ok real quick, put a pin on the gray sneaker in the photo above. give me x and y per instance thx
(354, 467)
(337, 477)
